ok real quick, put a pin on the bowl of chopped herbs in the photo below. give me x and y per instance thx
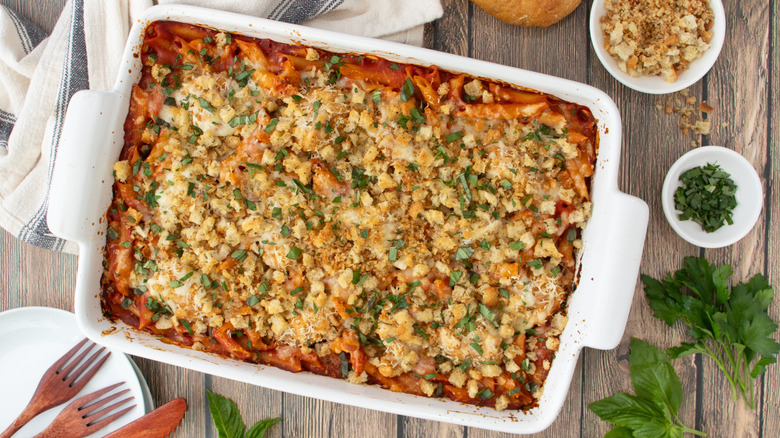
(712, 196)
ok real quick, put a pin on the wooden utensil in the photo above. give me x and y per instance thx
(84, 416)
(159, 423)
(60, 383)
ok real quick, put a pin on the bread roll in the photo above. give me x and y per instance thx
(540, 13)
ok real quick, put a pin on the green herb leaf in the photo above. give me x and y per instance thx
(653, 376)
(243, 120)
(516, 246)
(730, 326)
(205, 105)
(407, 90)
(294, 254)
(706, 196)
(652, 412)
(258, 429)
(455, 136)
(227, 419)
(464, 253)
(271, 125)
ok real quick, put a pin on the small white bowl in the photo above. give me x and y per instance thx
(656, 84)
(750, 196)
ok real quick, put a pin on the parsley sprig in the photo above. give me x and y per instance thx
(652, 412)
(730, 325)
(228, 422)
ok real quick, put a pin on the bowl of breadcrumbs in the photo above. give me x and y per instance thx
(657, 46)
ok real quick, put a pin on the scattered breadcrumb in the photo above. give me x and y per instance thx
(656, 37)
(692, 121)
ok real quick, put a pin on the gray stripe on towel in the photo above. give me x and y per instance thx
(74, 78)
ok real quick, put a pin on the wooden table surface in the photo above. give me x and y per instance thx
(746, 119)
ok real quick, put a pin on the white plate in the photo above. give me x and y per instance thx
(656, 84)
(31, 339)
(750, 196)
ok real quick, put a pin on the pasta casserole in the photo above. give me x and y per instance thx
(342, 214)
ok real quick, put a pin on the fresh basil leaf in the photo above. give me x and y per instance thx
(653, 376)
(628, 411)
(227, 419)
(258, 429)
(619, 432)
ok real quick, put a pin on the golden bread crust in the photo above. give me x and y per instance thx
(538, 13)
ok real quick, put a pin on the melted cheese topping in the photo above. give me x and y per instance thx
(340, 209)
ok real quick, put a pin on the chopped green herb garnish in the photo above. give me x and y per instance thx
(294, 254)
(706, 196)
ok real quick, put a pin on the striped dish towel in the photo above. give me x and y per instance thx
(39, 75)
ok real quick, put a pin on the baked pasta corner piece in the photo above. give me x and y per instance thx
(349, 216)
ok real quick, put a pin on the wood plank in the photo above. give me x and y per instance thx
(558, 50)
(747, 37)
(167, 382)
(652, 141)
(306, 417)
(32, 276)
(770, 402)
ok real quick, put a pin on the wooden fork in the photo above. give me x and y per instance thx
(84, 416)
(60, 383)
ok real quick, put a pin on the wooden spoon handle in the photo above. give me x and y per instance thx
(30, 411)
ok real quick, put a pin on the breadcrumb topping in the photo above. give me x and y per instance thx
(656, 37)
(442, 244)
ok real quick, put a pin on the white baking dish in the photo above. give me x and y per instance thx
(598, 309)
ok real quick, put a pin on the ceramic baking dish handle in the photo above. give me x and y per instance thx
(628, 227)
(86, 150)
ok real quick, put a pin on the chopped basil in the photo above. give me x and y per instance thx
(251, 301)
(707, 196)
(239, 254)
(186, 325)
(205, 105)
(464, 253)
(271, 125)
(490, 316)
(297, 290)
(454, 277)
(455, 136)
(285, 231)
(516, 246)
(485, 394)
(476, 347)
(243, 120)
(294, 254)
(535, 263)
(571, 236)
(407, 90)
(127, 302)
